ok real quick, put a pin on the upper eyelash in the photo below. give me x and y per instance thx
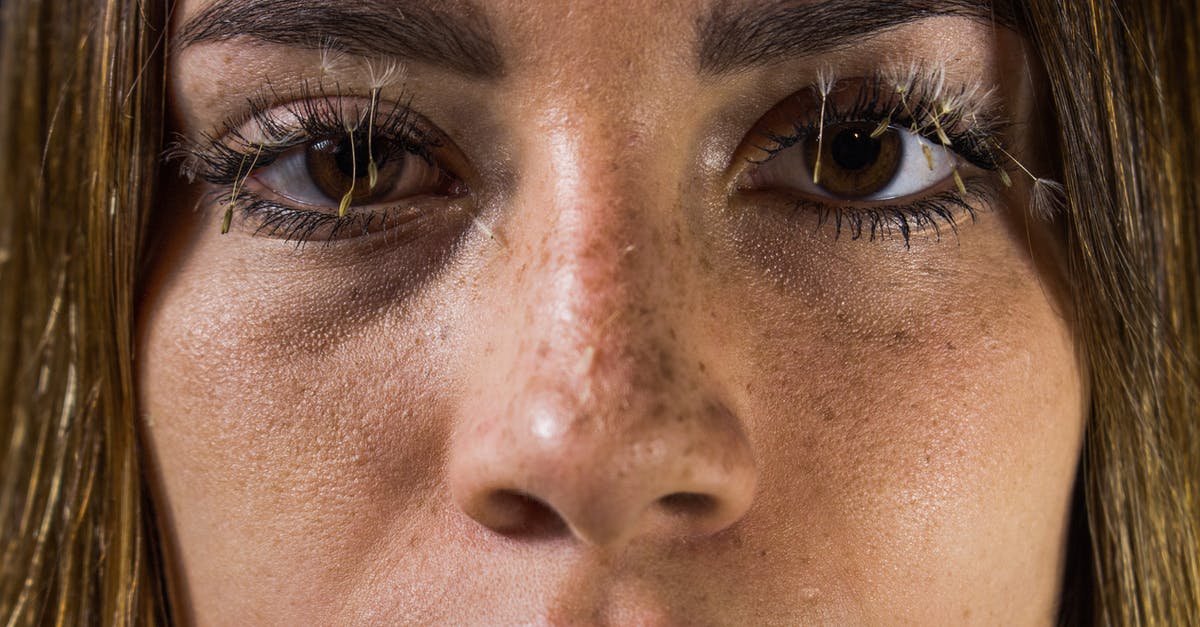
(972, 126)
(222, 158)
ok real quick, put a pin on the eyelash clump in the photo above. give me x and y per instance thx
(967, 120)
(229, 157)
(313, 113)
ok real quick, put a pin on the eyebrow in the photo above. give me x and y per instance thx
(732, 38)
(458, 39)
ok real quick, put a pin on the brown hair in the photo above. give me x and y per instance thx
(80, 139)
(80, 130)
(1123, 80)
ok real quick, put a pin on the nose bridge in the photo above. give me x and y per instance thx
(595, 199)
(595, 226)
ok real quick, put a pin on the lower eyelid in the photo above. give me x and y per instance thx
(397, 224)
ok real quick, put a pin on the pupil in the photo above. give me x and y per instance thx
(854, 149)
(351, 159)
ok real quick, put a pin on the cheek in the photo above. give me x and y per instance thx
(921, 415)
(290, 415)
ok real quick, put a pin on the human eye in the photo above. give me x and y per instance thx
(882, 155)
(324, 166)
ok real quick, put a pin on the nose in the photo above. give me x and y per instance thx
(550, 465)
(589, 411)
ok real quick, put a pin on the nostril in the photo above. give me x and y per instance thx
(514, 513)
(688, 504)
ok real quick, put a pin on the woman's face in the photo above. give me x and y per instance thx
(589, 345)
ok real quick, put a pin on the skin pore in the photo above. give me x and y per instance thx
(598, 379)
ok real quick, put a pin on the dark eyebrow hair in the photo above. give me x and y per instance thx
(736, 37)
(459, 40)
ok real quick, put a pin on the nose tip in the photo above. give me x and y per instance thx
(678, 476)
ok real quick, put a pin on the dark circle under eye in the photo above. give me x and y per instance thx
(854, 164)
(338, 167)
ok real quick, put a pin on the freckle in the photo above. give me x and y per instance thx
(702, 367)
(950, 346)
(762, 553)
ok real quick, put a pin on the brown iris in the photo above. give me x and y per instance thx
(854, 164)
(338, 167)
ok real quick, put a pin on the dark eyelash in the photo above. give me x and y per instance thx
(887, 221)
(225, 157)
(298, 225)
(878, 99)
(301, 226)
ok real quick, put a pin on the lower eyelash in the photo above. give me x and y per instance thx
(302, 226)
(885, 222)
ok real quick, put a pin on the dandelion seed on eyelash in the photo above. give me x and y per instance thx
(344, 205)
(903, 83)
(824, 85)
(958, 182)
(227, 219)
(1047, 198)
(392, 70)
(986, 147)
(928, 155)
(333, 59)
(884, 125)
(372, 168)
(945, 139)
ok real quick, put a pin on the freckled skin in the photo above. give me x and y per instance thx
(645, 399)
